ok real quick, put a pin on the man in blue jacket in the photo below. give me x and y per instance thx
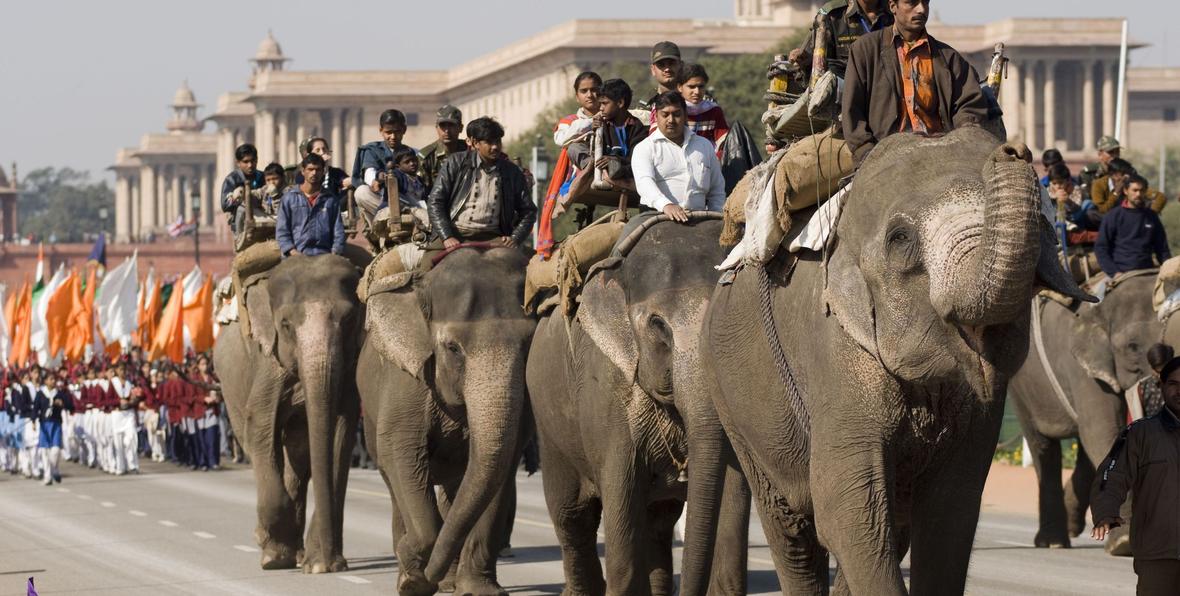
(1131, 234)
(309, 220)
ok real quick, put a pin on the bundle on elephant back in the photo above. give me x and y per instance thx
(623, 417)
(1081, 360)
(862, 385)
(441, 378)
(289, 384)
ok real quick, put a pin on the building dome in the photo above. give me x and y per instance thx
(184, 97)
(269, 50)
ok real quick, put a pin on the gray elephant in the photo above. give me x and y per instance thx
(863, 389)
(1095, 353)
(292, 400)
(441, 377)
(621, 415)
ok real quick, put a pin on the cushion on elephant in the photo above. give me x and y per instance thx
(541, 275)
(1167, 281)
(247, 265)
(578, 254)
(383, 265)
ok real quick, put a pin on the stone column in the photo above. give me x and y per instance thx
(225, 150)
(264, 136)
(209, 196)
(1050, 104)
(186, 191)
(283, 117)
(1110, 71)
(147, 191)
(1029, 89)
(1088, 138)
(340, 153)
(1010, 95)
(122, 206)
(300, 135)
(136, 219)
(1125, 135)
(174, 205)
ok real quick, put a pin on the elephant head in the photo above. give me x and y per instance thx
(307, 317)
(939, 249)
(645, 314)
(460, 331)
(1111, 338)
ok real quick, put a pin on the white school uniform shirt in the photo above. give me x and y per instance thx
(687, 174)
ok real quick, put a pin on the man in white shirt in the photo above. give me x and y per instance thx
(675, 170)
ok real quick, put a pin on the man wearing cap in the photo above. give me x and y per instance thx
(448, 124)
(665, 69)
(901, 79)
(1108, 150)
(844, 22)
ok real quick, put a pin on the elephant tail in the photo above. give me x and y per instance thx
(794, 394)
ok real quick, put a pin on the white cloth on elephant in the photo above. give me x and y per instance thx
(814, 236)
(410, 254)
(763, 233)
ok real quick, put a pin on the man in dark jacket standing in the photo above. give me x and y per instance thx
(1146, 461)
(900, 79)
(1131, 233)
(479, 195)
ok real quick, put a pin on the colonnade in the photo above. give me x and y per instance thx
(1062, 103)
(152, 197)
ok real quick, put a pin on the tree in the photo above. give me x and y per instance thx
(1148, 166)
(62, 205)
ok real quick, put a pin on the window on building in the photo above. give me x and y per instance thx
(1169, 114)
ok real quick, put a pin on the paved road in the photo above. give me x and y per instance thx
(180, 532)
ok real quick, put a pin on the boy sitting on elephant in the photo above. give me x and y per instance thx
(621, 133)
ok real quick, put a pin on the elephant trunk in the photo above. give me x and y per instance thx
(1002, 276)
(494, 397)
(706, 469)
(320, 375)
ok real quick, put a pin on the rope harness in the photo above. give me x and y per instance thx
(1039, 341)
(786, 376)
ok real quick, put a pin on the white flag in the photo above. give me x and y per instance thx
(39, 330)
(5, 341)
(116, 305)
(192, 288)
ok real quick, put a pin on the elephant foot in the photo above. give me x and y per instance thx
(1050, 540)
(478, 587)
(1076, 527)
(447, 585)
(274, 558)
(1118, 544)
(334, 564)
(413, 582)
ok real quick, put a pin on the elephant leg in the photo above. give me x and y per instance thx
(296, 473)
(344, 442)
(278, 533)
(624, 514)
(446, 495)
(800, 562)
(575, 519)
(945, 509)
(403, 459)
(1046, 456)
(733, 535)
(476, 574)
(661, 522)
(1077, 493)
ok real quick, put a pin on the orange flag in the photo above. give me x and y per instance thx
(10, 310)
(149, 313)
(57, 313)
(169, 339)
(198, 317)
(80, 330)
(22, 322)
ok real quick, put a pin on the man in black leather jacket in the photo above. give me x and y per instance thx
(479, 195)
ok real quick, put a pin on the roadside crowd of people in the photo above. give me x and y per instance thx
(110, 414)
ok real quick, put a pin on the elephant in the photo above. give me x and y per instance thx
(1095, 353)
(620, 413)
(441, 379)
(862, 386)
(292, 399)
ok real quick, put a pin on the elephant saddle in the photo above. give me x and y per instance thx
(247, 269)
(558, 280)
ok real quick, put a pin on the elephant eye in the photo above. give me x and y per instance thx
(899, 235)
(902, 246)
(453, 347)
(1134, 347)
(660, 329)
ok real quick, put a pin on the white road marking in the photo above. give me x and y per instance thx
(85, 497)
(205, 535)
(170, 524)
(246, 549)
(63, 490)
(107, 504)
(137, 513)
(1013, 543)
(354, 579)
(371, 493)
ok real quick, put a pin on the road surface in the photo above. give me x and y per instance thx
(169, 531)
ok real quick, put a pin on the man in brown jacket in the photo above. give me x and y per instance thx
(1146, 461)
(901, 79)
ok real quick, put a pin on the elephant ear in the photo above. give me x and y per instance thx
(1092, 347)
(396, 322)
(262, 323)
(846, 295)
(603, 315)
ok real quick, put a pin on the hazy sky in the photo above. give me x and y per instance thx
(78, 80)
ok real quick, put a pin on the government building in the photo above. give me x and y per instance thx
(1060, 92)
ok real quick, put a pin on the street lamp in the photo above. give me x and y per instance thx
(540, 167)
(196, 198)
(102, 218)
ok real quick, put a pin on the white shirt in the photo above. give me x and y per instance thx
(566, 132)
(688, 174)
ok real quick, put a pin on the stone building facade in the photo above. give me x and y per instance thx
(8, 217)
(1060, 92)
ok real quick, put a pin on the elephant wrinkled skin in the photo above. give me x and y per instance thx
(901, 348)
(441, 377)
(293, 404)
(620, 408)
(1096, 354)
